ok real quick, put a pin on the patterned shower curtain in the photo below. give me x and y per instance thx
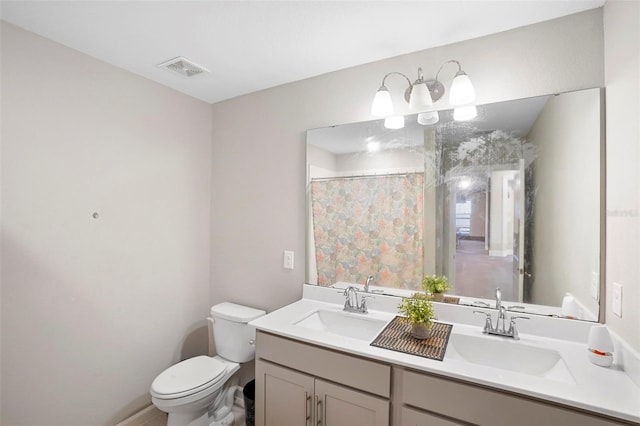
(369, 225)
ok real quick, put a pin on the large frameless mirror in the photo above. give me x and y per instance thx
(511, 199)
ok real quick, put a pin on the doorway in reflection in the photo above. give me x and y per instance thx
(486, 216)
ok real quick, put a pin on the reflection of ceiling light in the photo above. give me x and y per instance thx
(373, 146)
(465, 113)
(394, 122)
(464, 184)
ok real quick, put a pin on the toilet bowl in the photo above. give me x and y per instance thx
(188, 391)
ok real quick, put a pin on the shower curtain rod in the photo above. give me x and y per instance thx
(364, 176)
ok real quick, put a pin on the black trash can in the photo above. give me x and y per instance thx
(249, 392)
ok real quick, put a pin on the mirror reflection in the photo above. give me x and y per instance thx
(510, 199)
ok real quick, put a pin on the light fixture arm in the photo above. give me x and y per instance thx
(407, 93)
(397, 73)
(451, 61)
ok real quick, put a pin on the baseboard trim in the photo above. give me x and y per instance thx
(141, 416)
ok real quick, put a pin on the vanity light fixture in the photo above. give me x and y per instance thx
(421, 95)
(428, 118)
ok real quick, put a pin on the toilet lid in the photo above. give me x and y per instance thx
(187, 377)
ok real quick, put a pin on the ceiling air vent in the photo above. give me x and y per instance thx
(183, 66)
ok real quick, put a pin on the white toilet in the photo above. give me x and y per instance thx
(191, 392)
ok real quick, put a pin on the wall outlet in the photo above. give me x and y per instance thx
(288, 260)
(616, 302)
(595, 285)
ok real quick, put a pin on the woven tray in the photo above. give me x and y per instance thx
(396, 336)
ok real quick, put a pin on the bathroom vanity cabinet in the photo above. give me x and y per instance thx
(311, 391)
(324, 403)
(302, 384)
(427, 399)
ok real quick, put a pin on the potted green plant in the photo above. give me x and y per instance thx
(418, 312)
(435, 285)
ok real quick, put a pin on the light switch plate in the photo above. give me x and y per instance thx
(595, 285)
(288, 260)
(616, 302)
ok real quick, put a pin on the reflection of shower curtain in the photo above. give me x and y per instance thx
(369, 226)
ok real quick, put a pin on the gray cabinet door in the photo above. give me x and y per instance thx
(287, 396)
(411, 417)
(340, 406)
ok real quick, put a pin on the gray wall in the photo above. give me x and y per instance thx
(93, 309)
(622, 77)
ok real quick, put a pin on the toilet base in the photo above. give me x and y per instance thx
(188, 419)
(227, 421)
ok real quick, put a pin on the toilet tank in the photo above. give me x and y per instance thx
(233, 336)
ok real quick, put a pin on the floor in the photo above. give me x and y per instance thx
(159, 419)
(478, 274)
(151, 416)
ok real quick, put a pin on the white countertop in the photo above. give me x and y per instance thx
(608, 391)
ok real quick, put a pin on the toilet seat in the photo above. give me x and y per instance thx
(189, 377)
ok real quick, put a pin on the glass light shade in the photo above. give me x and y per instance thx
(394, 122)
(427, 118)
(462, 91)
(465, 113)
(382, 105)
(420, 97)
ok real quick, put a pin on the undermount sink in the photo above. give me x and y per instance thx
(509, 355)
(355, 326)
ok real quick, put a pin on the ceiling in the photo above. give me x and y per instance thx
(253, 45)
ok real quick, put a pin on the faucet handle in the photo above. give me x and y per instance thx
(363, 304)
(513, 330)
(487, 321)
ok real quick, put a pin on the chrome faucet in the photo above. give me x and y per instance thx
(502, 319)
(351, 303)
(368, 283)
(500, 328)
